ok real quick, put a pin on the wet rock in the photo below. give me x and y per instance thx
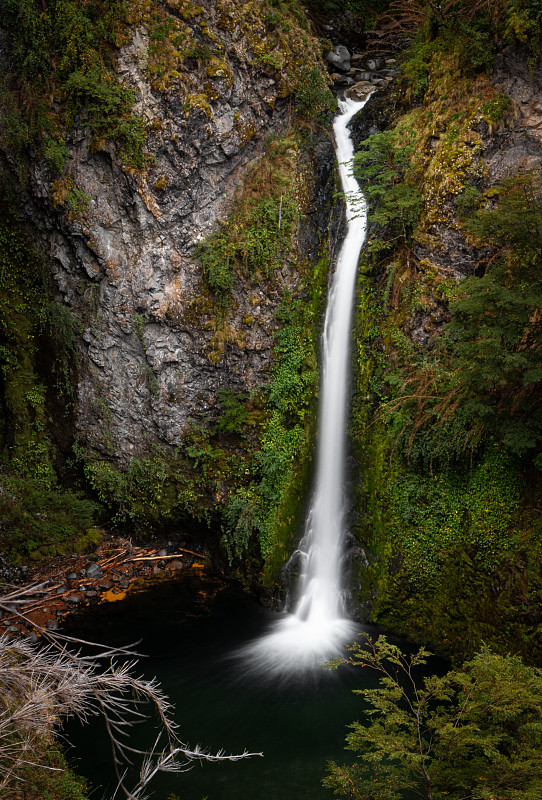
(94, 571)
(106, 585)
(124, 584)
(73, 576)
(52, 625)
(342, 80)
(339, 58)
(73, 599)
(360, 90)
(91, 593)
(61, 589)
(162, 552)
(376, 63)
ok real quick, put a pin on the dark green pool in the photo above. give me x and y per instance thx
(189, 629)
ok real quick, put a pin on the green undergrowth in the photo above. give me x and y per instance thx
(39, 522)
(465, 34)
(38, 517)
(268, 507)
(456, 553)
(50, 779)
(256, 239)
(37, 346)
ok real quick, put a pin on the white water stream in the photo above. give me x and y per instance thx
(319, 628)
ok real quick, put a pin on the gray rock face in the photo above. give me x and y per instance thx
(152, 354)
(339, 58)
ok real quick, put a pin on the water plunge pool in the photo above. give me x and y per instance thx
(189, 629)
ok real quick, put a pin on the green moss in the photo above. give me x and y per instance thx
(445, 497)
(26, 444)
(50, 779)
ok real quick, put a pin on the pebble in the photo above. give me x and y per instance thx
(73, 598)
(73, 576)
(52, 625)
(91, 593)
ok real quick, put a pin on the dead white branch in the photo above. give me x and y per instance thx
(43, 683)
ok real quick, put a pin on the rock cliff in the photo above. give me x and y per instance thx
(122, 242)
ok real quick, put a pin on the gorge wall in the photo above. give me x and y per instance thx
(175, 312)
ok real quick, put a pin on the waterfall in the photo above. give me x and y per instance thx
(318, 628)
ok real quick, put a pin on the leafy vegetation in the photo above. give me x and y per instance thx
(473, 732)
(313, 99)
(38, 522)
(285, 438)
(256, 239)
(38, 519)
(446, 414)
(51, 779)
(67, 47)
(483, 381)
(383, 167)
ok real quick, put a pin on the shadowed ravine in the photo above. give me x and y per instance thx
(318, 628)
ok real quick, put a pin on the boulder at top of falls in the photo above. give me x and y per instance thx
(339, 58)
(342, 80)
(376, 63)
(360, 90)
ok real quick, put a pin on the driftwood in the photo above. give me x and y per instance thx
(38, 596)
(159, 558)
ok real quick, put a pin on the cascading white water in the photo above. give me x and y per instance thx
(319, 628)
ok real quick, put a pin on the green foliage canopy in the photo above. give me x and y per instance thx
(472, 734)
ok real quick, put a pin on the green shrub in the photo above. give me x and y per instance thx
(38, 522)
(51, 779)
(313, 98)
(234, 414)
